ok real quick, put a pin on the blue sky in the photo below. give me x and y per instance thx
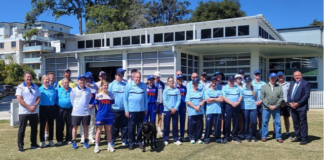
(280, 13)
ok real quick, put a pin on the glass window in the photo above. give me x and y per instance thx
(143, 39)
(149, 54)
(205, 33)
(162, 54)
(13, 44)
(218, 32)
(231, 70)
(184, 62)
(89, 43)
(117, 41)
(97, 43)
(180, 36)
(231, 63)
(277, 60)
(270, 37)
(134, 55)
(276, 65)
(314, 85)
(208, 57)
(231, 56)
(312, 78)
(102, 42)
(243, 30)
(126, 40)
(80, 44)
(208, 64)
(184, 70)
(190, 56)
(244, 62)
(168, 37)
(260, 31)
(158, 38)
(196, 58)
(219, 56)
(309, 62)
(107, 42)
(244, 56)
(230, 31)
(189, 35)
(183, 55)
(136, 40)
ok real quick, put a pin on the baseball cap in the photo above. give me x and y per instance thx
(88, 74)
(230, 78)
(67, 70)
(248, 79)
(212, 78)
(238, 76)
(81, 76)
(179, 76)
(101, 73)
(120, 71)
(203, 73)
(280, 73)
(195, 81)
(272, 75)
(257, 72)
(217, 72)
(157, 73)
(240, 71)
(150, 77)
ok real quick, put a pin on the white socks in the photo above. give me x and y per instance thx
(97, 144)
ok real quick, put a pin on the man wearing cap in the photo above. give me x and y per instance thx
(221, 84)
(184, 82)
(80, 97)
(272, 96)
(135, 103)
(241, 72)
(133, 71)
(232, 98)
(182, 107)
(117, 87)
(257, 83)
(284, 107)
(67, 74)
(159, 100)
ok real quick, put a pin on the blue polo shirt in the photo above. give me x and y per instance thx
(232, 94)
(183, 92)
(248, 101)
(48, 96)
(195, 97)
(55, 85)
(118, 90)
(258, 86)
(215, 107)
(152, 94)
(135, 99)
(64, 100)
(201, 86)
(171, 98)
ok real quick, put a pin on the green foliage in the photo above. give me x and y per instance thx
(29, 34)
(13, 73)
(215, 10)
(316, 23)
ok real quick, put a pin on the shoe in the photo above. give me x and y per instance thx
(59, 143)
(96, 149)
(178, 143)
(131, 147)
(21, 148)
(110, 148)
(254, 139)
(183, 139)
(248, 140)
(51, 143)
(165, 143)
(241, 136)
(68, 142)
(263, 140)
(303, 142)
(74, 145)
(86, 145)
(296, 140)
(280, 140)
(274, 136)
(140, 146)
(82, 141)
(224, 141)
(125, 143)
(236, 141)
(206, 142)
(91, 140)
(200, 142)
(289, 136)
(36, 146)
(160, 133)
(192, 142)
(219, 141)
(43, 145)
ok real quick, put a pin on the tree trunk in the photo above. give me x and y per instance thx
(80, 24)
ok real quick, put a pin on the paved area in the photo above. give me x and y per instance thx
(5, 107)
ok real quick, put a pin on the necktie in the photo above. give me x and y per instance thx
(294, 93)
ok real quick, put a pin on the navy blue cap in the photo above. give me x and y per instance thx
(81, 76)
(195, 81)
(217, 72)
(213, 78)
(248, 79)
(150, 77)
(230, 78)
(67, 70)
(240, 71)
(257, 72)
(179, 76)
(120, 71)
(280, 73)
(272, 75)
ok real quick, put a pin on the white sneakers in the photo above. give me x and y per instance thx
(192, 142)
(177, 143)
(166, 143)
(68, 142)
(200, 142)
(51, 143)
(160, 132)
(42, 144)
(92, 140)
(110, 148)
(81, 141)
(96, 149)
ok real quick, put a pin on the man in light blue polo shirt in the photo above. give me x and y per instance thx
(117, 87)
(135, 103)
(200, 84)
(257, 83)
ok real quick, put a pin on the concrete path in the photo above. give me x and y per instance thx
(5, 107)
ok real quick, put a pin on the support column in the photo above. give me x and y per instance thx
(193, 32)
(105, 40)
(254, 62)
(125, 64)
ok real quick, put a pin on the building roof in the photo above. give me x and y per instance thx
(295, 28)
(54, 23)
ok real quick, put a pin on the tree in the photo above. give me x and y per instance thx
(316, 23)
(214, 10)
(29, 34)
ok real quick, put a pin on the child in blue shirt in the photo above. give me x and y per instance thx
(182, 108)
(152, 94)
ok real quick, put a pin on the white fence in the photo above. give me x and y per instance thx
(316, 99)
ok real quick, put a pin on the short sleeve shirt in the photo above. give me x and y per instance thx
(29, 95)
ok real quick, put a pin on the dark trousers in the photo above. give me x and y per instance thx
(216, 120)
(195, 124)
(33, 122)
(231, 113)
(300, 124)
(134, 121)
(46, 113)
(63, 117)
(251, 116)
(151, 112)
(166, 121)
(182, 113)
(120, 123)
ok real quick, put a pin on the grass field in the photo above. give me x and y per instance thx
(253, 150)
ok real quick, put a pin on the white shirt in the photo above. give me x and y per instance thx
(80, 100)
(285, 88)
(271, 86)
(29, 96)
(207, 84)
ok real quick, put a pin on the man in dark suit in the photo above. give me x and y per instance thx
(298, 95)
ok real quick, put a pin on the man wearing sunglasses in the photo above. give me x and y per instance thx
(28, 98)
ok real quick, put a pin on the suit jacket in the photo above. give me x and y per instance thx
(302, 94)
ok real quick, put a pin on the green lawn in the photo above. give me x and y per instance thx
(259, 150)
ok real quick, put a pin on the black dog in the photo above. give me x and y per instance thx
(149, 134)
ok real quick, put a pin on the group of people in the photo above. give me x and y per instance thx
(121, 106)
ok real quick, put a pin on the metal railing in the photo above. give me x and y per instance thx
(38, 48)
(30, 60)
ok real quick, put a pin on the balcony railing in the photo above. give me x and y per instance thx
(37, 71)
(31, 60)
(38, 48)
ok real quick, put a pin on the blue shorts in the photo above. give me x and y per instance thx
(159, 108)
(101, 122)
